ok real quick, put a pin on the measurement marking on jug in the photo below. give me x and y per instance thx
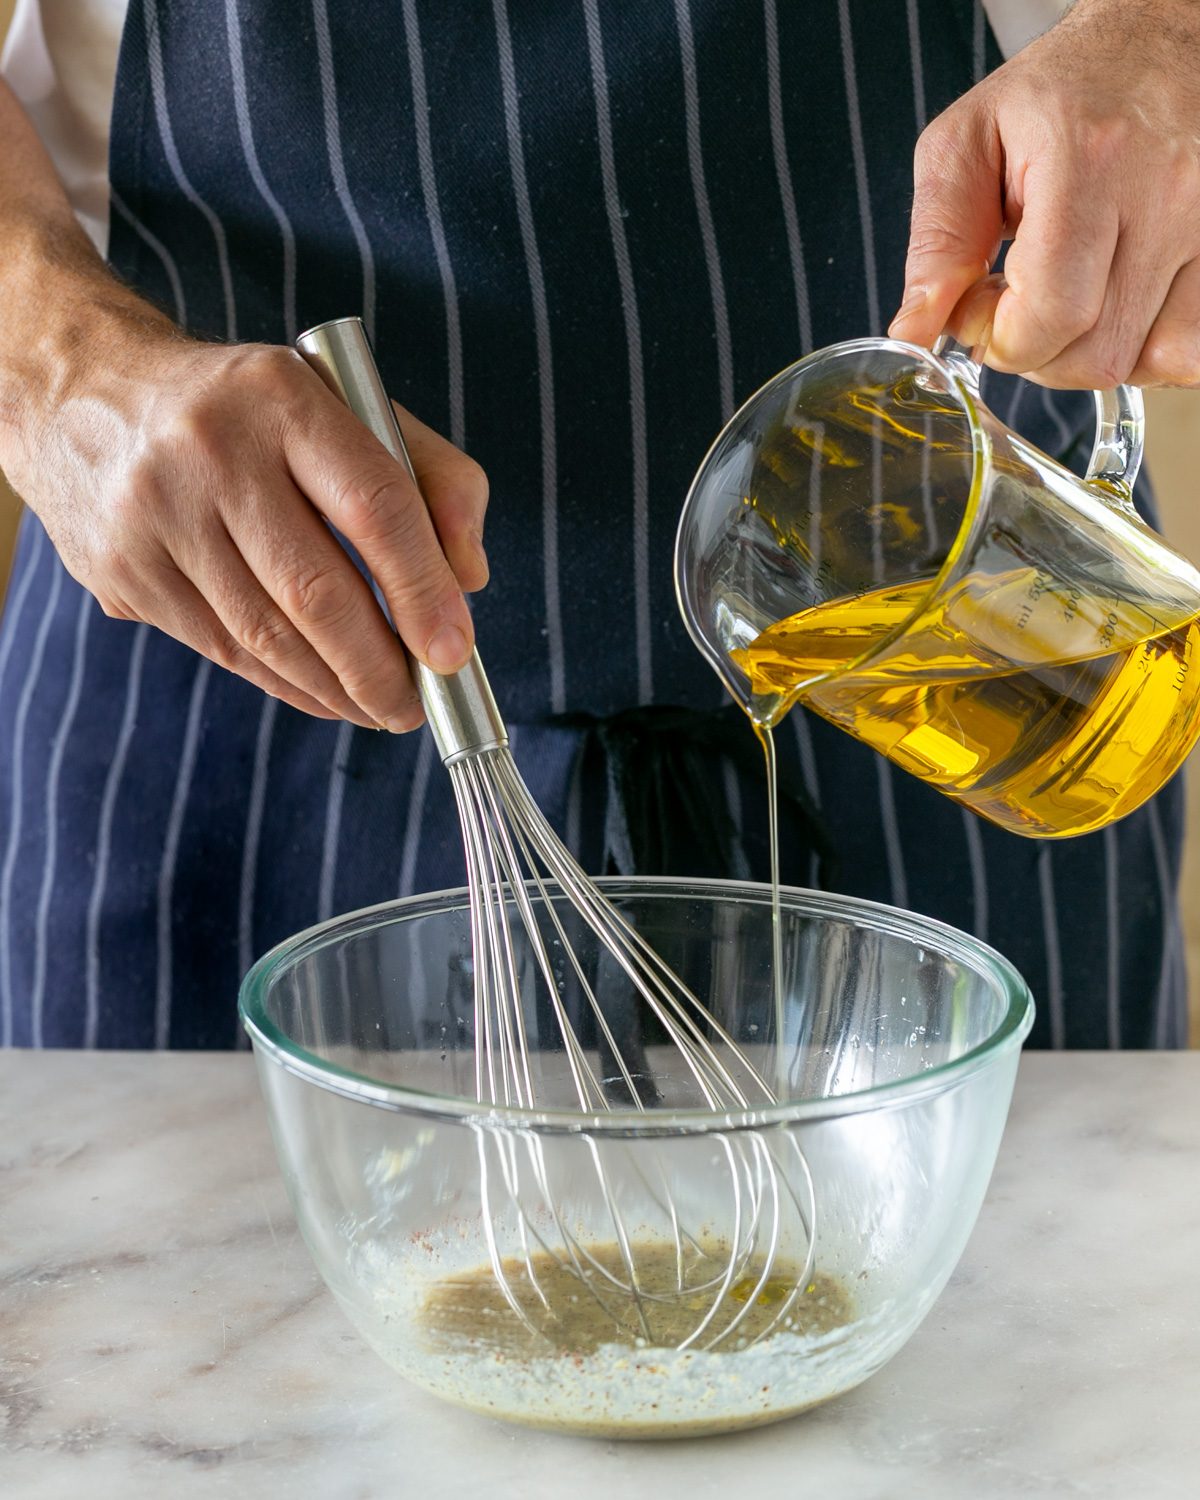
(1183, 667)
(1041, 582)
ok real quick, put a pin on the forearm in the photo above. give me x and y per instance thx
(59, 303)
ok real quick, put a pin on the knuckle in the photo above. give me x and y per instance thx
(1107, 373)
(1104, 140)
(936, 143)
(225, 652)
(139, 496)
(1066, 314)
(456, 489)
(110, 561)
(1046, 321)
(1182, 170)
(1110, 364)
(952, 146)
(376, 504)
(368, 688)
(113, 608)
(270, 369)
(1170, 357)
(270, 362)
(113, 567)
(196, 427)
(1091, 369)
(222, 649)
(383, 695)
(426, 591)
(932, 239)
(939, 231)
(266, 634)
(925, 149)
(458, 494)
(318, 593)
(275, 376)
(361, 686)
(188, 456)
(249, 382)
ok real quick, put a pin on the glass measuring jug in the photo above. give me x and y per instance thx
(867, 538)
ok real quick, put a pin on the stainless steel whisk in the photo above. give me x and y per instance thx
(527, 896)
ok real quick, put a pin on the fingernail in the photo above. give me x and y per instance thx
(914, 300)
(448, 650)
(975, 330)
(397, 725)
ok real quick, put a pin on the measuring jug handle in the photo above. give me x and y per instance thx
(1120, 438)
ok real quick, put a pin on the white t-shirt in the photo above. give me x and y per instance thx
(61, 62)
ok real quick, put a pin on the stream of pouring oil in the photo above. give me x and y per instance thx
(767, 741)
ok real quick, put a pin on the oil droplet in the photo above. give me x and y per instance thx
(774, 1290)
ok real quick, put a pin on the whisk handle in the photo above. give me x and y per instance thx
(460, 707)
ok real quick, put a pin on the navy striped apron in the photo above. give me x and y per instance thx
(579, 234)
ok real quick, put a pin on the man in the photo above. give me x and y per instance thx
(578, 238)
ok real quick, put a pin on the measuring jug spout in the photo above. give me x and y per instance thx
(865, 537)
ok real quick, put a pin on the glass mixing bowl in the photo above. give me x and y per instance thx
(892, 1048)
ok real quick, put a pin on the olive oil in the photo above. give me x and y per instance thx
(779, 1009)
(1046, 709)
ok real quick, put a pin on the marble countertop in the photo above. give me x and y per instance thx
(163, 1333)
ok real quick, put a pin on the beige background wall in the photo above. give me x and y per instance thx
(1173, 427)
(1173, 441)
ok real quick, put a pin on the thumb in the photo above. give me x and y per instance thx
(957, 219)
(970, 320)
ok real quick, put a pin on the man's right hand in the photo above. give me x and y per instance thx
(189, 484)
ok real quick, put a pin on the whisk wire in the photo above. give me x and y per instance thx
(502, 877)
(515, 861)
(496, 980)
(589, 1090)
(624, 937)
(625, 944)
(593, 1094)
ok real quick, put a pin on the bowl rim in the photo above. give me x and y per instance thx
(272, 1043)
